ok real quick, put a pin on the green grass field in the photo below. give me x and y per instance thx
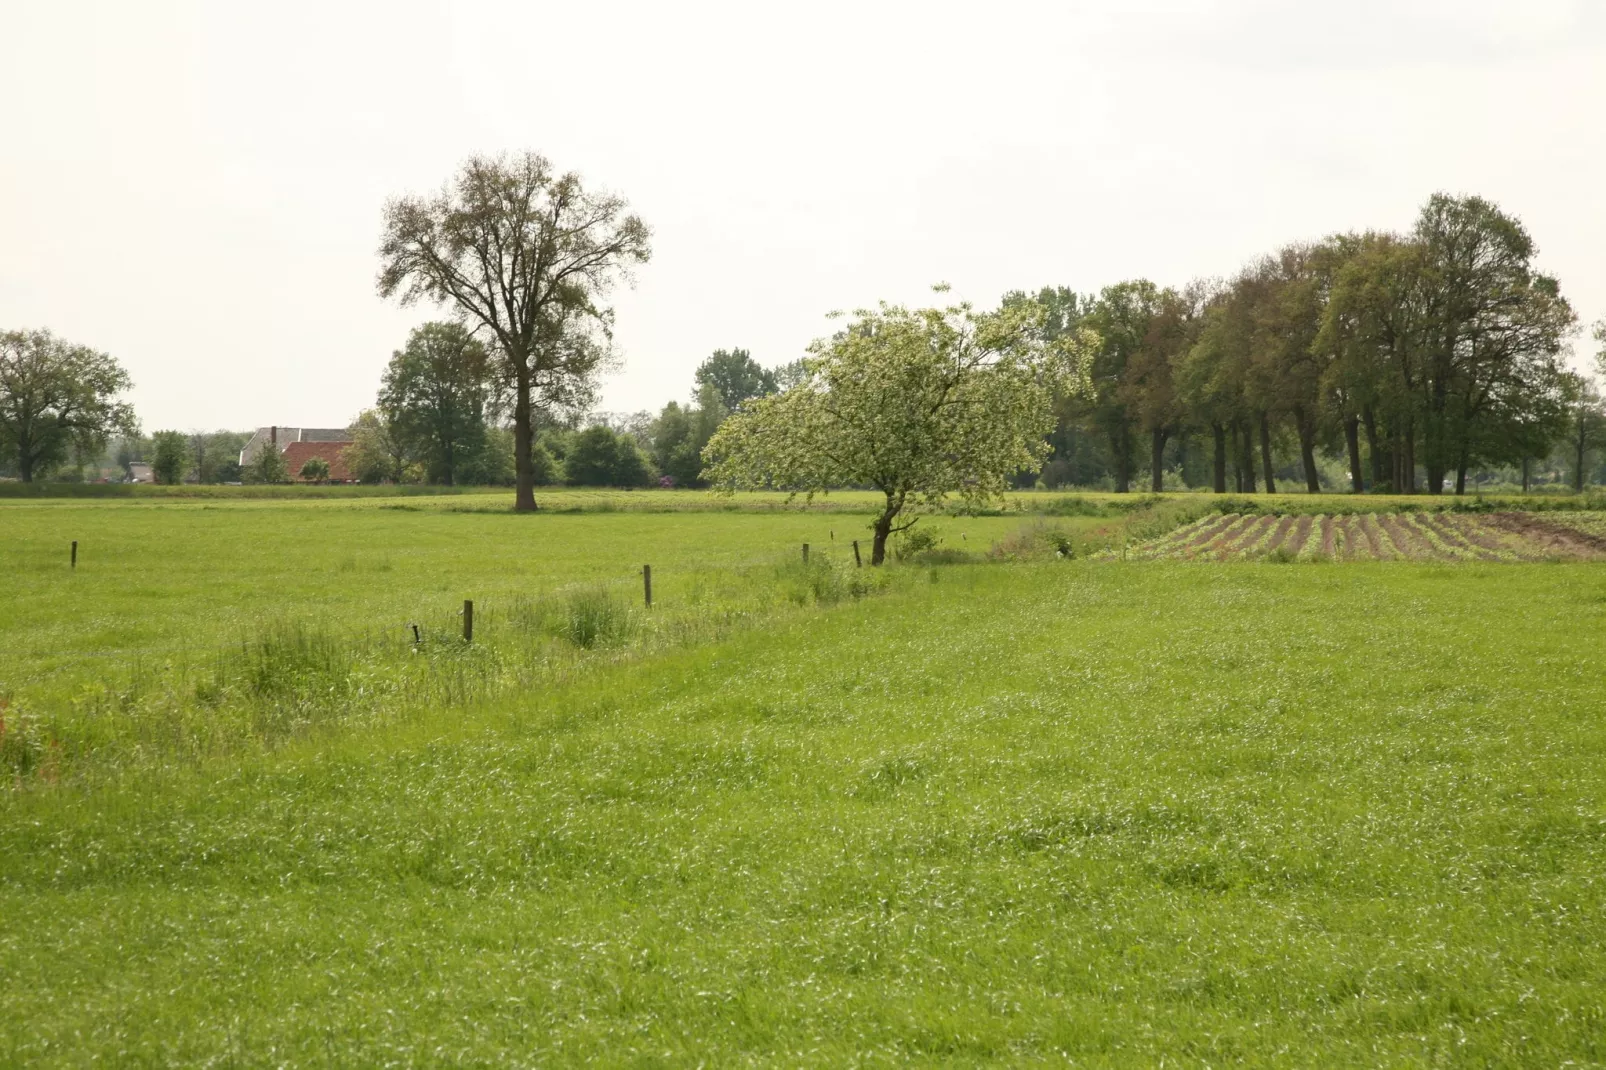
(1101, 811)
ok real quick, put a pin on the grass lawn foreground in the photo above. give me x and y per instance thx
(1099, 811)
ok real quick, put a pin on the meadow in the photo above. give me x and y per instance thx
(981, 806)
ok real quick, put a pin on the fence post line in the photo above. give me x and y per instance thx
(468, 621)
(74, 553)
(646, 583)
(857, 560)
(805, 553)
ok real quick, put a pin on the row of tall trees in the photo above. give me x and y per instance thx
(1415, 357)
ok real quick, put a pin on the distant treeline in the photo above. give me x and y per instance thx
(1410, 360)
(1366, 361)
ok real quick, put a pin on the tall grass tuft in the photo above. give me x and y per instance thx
(593, 616)
(288, 658)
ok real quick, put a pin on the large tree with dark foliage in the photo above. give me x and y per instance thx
(438, 392)
(530, 255)
(56, 397)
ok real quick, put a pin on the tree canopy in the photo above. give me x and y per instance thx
(57, 397)
(735, 376)
(438, 394)
(1441, 349)
(170, 456)
(602, 457)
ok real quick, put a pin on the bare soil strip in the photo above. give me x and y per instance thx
(1327, 536)
(1552, 537)
(1407, 543)
(1376, 541)
(1296, 542)
(1503, 544)
(1169, 543)
(1284, 525)
(1418, 525)
(1209, 531)
(1223, 536)
(1452, 534)
(1355, 548)
(1246, 538)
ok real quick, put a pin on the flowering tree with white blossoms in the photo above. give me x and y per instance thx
(918, 404)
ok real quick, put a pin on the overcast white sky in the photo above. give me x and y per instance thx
(196, 188)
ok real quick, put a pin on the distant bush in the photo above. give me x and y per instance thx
(824, 581)
(915, 541)
(1033, 542)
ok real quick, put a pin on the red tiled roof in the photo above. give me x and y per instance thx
(297, 454)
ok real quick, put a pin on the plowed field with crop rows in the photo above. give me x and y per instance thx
(1385, 537)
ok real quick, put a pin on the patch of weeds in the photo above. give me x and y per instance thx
(290, 658)
(1073, 505)
(23, 740)
(593, 616)
(923, 546)
(1235, 505)
(1034, 542)
(915, 541)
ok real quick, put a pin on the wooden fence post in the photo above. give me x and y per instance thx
(75, 553)
(805, 553)
(857, 560)
(468, 621)
(646, 583)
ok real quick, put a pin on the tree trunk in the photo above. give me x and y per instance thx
(523, 439)
(1121, 449)
(1408, 462)
(1461, 472)
(1157, 439)
(1265, 454)
(1352, 439)
(1220, 466)
(1525, 475)
(1381, 461)
(1307, 452)
(883, 528)
(1246, 459)
(1578, 469)
(25, 466)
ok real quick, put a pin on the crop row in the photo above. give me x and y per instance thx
(1383, 537)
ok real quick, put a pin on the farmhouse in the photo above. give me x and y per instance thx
(300, 445)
